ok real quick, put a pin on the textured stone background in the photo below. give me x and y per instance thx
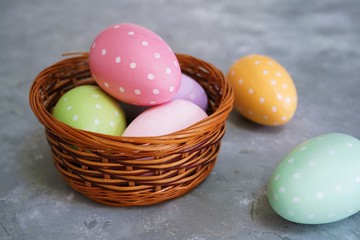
(318, 42)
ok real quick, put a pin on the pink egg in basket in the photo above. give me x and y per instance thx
(134, 65)
(165, 118)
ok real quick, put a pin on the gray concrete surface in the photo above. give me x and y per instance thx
(317, 41)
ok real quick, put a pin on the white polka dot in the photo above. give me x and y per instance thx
(284, 86)
(297, 175)
(320, 195)
(112, 124)
(282, 189)
(95, 95)
(288, 100)
(357, 179)
(278, 74)
(283, 118)
(65, 99)
(116, 113)
(171, 89)
(103, 52)
(277, 177)
(296, 199)
(157, 55)
(338, 188)
(265, 72)
(349, 145)
(156, 91)
(137, 92)
(117, 26)
(69, 108)
(75, 117)
(303, 148)
(311, 216)
(150, 76)
(97, 121)
(176, 63)
(94, 44)
(251, 91)
(240, 81)
(145, 43)
(291, 213)
(192, 96)
(152, 102)
(273, 82)
(257, 62)
(291, 160)
(351, 210)
(274, 108)
(313, 163)
(262, 100)
(121, 89)
(168, 70)
(132, 65)
(270, 63)
(131, 33)
(98, 106)
(106, 84)
(332, 152)
(118, 59)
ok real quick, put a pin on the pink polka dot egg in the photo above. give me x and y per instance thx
(134, 65)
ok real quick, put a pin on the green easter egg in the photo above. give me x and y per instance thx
(90, 108)
(318, 181)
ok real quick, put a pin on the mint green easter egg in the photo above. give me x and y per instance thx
(318, 181)
(90, 108)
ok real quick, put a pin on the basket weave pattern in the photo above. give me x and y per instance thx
(129, 171)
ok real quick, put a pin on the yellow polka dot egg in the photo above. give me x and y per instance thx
(264, 91)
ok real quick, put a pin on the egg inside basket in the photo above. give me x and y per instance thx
(130, 171)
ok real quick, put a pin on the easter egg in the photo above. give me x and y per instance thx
(264, 92)
(318, 181)
(134, 65)
(166, 118)
(192, 91)
(89, 108)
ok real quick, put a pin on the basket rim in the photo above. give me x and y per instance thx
(51, 123)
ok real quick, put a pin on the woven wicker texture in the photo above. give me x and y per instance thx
(129, 171)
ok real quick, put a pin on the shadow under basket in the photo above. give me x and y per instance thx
(131, 171)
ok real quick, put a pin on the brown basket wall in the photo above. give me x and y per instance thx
(129, 171)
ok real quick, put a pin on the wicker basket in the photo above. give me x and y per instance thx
(129, 171)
